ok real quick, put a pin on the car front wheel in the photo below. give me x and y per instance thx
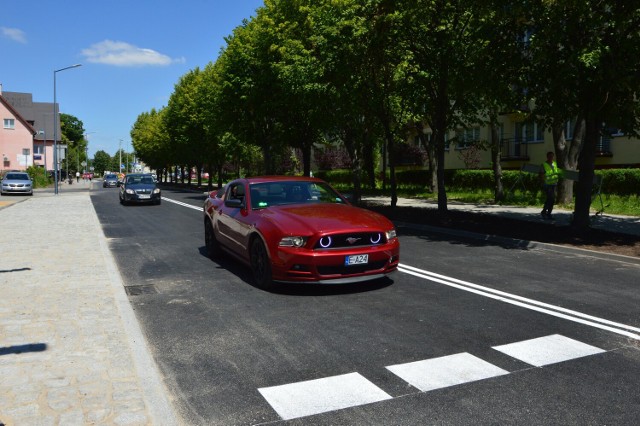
(260, 265)
(213, 248)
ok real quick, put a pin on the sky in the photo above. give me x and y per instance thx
(132, 52)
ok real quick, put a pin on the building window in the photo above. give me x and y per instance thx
(530, 132)
(9, 123)
(467, 137)
(38, 149)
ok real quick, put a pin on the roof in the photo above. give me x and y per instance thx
(17, 115)
(38, 113)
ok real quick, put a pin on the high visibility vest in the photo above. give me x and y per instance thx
(550, 173)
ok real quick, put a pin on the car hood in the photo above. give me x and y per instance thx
(324, 218)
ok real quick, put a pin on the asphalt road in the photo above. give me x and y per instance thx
(468, 332)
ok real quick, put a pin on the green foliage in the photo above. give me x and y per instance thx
(624, 182)
(101, 162)
(39, 177)
(72, 128)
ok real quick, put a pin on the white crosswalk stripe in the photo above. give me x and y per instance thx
(445, 371)
(322, 395)
(311, 397)
(548, 350)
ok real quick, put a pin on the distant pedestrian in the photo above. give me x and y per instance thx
(77, 176)
(549, 174)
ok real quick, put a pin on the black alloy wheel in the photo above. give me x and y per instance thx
(260, 265)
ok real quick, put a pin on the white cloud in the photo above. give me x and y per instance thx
(123, 54)
(14, 34)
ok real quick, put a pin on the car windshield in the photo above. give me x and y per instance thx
(110, 177)
(139, 179)
(292, 192)
(17, 176)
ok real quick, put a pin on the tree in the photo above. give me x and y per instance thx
(102, 162)
(72, 128)
(447, 47)
(250, 88)
(184, 120)
(150, 140)
(590, 56)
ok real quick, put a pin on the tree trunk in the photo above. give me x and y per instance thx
(219, 176)
(586, 164)
(495, 160)
(392, 166)
(384, 165)
(306, 158)
(356, 164)
(565, 186)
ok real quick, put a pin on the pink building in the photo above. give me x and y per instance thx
(16, 139)
(26, 125)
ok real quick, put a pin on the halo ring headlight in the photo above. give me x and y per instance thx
(375, 240)
(325, 242)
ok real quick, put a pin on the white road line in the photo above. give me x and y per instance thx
(524, 302)
(557, 311)
(319, 396)
(180, 203)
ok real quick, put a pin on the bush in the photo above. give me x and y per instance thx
(620, 181)
(623, 182)
(332, 158)
(39, 177)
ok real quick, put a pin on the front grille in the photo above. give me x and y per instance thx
(143, 191)
(353, 269)
(357, 239)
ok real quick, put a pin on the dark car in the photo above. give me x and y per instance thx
(139, 188)
(110, 181)
(17, 183)
(298, 229)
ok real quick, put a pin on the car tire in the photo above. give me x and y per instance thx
(158, 202)
(213, 247)
(260, 265)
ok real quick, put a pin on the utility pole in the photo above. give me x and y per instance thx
(120, 151)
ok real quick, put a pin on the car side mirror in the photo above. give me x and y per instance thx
(234, 203)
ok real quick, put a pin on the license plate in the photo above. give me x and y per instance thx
(144, 197)
(358, 259)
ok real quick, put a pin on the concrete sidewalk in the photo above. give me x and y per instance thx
(71, 349)
(614, 223)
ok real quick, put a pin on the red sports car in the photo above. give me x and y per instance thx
(298, 229)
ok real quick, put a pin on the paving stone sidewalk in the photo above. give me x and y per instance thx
(71, 350)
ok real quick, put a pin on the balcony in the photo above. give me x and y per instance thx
(512, 149)
(603, 147)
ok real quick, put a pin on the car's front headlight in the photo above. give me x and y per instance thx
(130, 191)
(156, 191)
(293, 241)
(391, 234)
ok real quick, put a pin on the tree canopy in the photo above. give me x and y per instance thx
(302, 75)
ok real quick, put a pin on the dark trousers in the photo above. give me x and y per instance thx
(550, 192)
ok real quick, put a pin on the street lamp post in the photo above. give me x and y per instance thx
(55, 126)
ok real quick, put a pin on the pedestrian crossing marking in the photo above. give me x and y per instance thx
(318, 396)
(445, 371)
(321, 395)
(548, 350)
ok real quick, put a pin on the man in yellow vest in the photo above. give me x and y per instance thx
(549, 174)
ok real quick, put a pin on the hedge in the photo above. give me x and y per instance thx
(614, 181)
